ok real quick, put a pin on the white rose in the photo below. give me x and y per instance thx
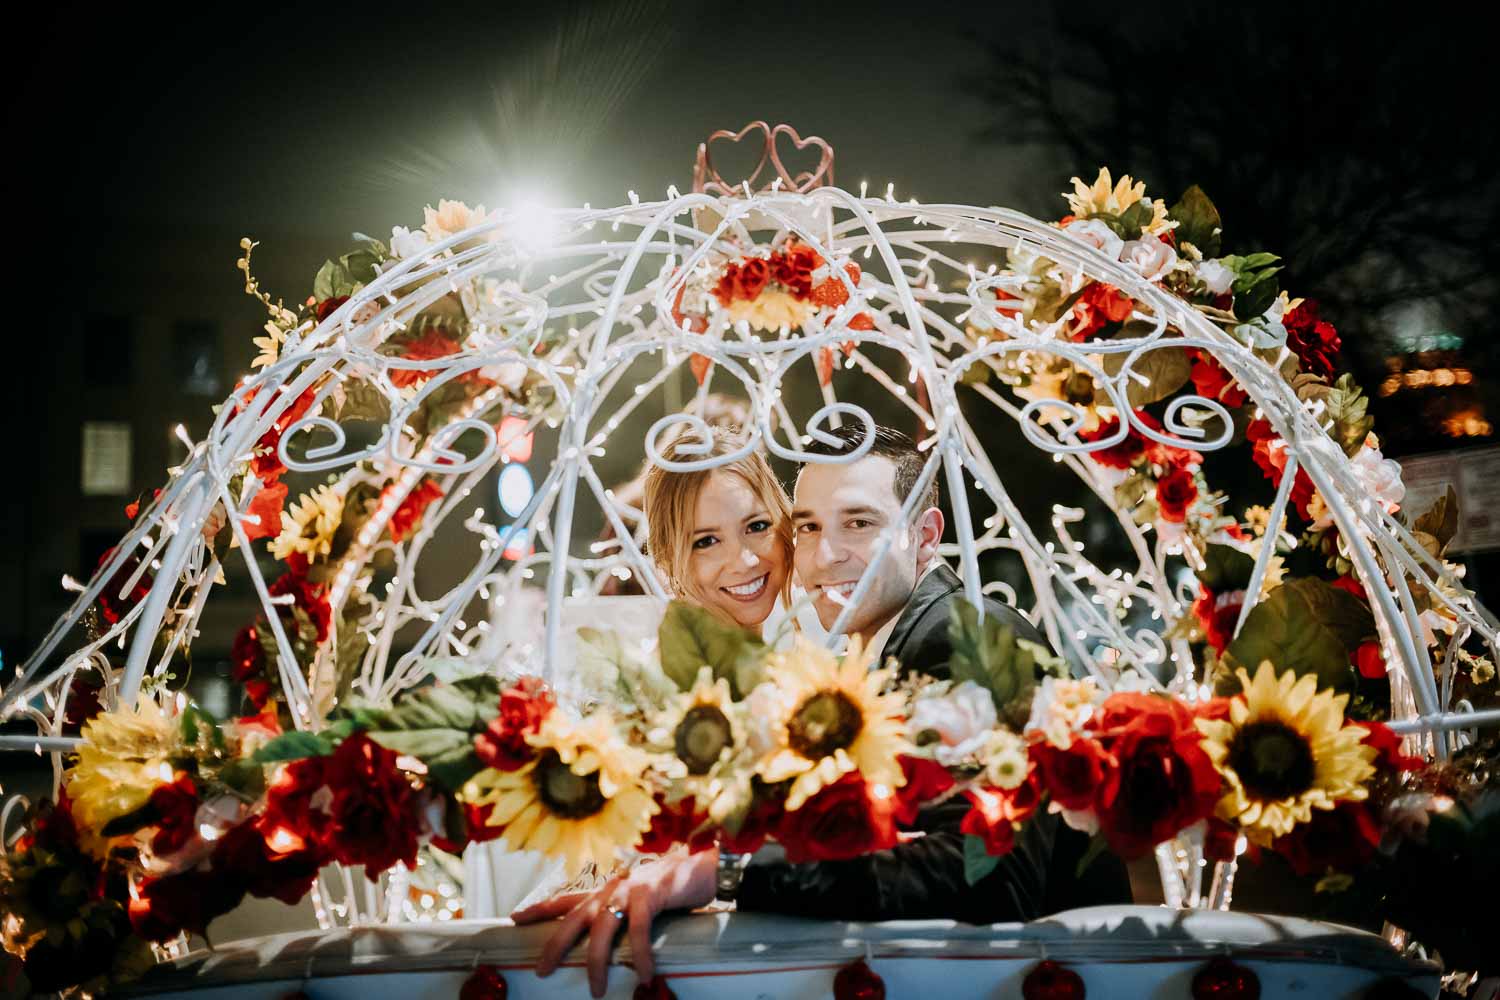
(508, 375)
(962, 718)
(765, 704)
(1151, 257)
(1096, 234)
(1215, 276)
(1379, 479)
(407, 242)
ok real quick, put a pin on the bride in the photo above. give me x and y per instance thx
(722, 539)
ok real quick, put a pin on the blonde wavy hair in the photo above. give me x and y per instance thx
(672, 497)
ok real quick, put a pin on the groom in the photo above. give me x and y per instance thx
(839, 513)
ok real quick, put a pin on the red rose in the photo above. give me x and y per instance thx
(267, 505)
(751, 279)
(176, 807)
(1315, 342)
(1217, 615)
(680, 823)
(1350, 585)
(1391, 757)
(1220, 840)
(1212, 381)
(998, 812)
(1098, 306)
(267, 465)
(793, 268)
(84, 688)
(310, 597)
(115, 601)
(1343, 838)
(1368, 661)
(523, 706)
(926, 780)
(1269, 453)
(161, 908)
(759, 823)
(1163, 781)
(247, 664)
(373, 816)
(1073, 776)
(862, 321)
(326, 308)
(1166, 455)
(406, 517)
(842, 821)
(1122, 455)
(1216, 709)
(725, 286)
(429, 347)
(1175, 493)
(269, 859)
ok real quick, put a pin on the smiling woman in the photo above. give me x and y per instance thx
(721, 536)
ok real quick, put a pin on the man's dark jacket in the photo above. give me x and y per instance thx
(924, 878)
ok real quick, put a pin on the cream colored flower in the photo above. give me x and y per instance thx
(1104, 195)
(124, 756)
(309, 524)
(1062, 706)
(772, 309)
(269, 346)
(451, 218)
(1005, 762)
(961, 717)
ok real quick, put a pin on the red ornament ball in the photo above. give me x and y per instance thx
(653, 989)
(1050, 981)
(486, 983)
(857, 981)
(1222, 979)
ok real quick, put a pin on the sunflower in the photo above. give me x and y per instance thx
(1283, 752)
(703, 732)
(308, 525)
(835, 721)
(772, 310)
(583, 797)
(124, 756)
(1106, 196)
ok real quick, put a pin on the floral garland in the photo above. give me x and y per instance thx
(167, 818)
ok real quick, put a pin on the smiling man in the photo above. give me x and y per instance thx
(840, 514)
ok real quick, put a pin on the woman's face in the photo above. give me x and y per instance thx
(736, 562)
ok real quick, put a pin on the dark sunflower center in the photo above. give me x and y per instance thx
(569, 795)
(1272, 759)
(701, 737)
(826, 722)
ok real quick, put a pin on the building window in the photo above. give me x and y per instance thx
(196, 355)
(106, 459)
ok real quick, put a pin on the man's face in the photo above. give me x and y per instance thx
(838, 516)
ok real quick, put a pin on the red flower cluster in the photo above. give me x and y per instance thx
(843, 820)
(1343, 838)
(793, 268)
(430, 346)
(1098, 306)
(408, 514)
(1175, 493)
(267, 465)
(681, 822)
(1212, 381)
(247, 664)
(1269, 455)
(1217, 615)
(115, 600)
(1136, 446)
(176, 808)
(311, 597)
(523, 706)
(1313, 340)
(1162, 780)
(997, 813)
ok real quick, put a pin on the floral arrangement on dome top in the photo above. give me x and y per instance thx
(168, 818)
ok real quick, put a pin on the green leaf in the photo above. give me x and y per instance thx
(362, 401)
(977, 861)
(1197, 221)
(1134, 219)
(691, 638)
(294, 745)
(1225, 568)
(436, 706)
(421, 743)
(989, 654)
(1306, 626)
(245, 776)
(1347, 406)
(1166, 369)
(1255, 300)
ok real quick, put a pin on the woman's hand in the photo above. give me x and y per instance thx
(675, 881)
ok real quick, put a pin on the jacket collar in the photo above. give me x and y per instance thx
(935, 585)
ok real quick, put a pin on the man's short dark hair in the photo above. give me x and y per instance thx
(891, 445)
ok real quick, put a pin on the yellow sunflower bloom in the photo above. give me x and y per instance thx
(772, 310)
(584, 798)
(1285, 751)
(703, 733)
(123, 758)
(836, 721)
(308, 525)
(1107, 196)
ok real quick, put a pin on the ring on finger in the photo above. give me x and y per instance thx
(617, 913)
